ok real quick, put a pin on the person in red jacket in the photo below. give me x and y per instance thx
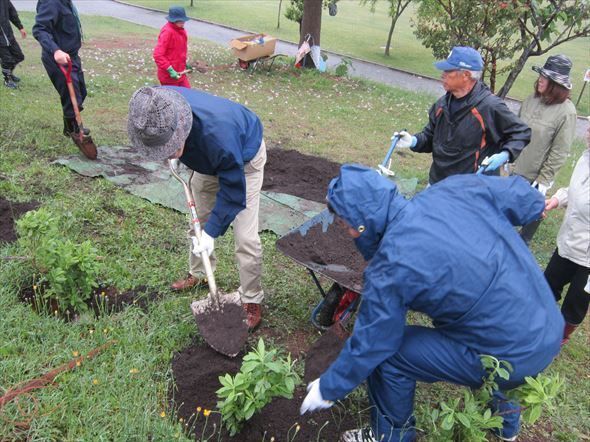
(171, 49)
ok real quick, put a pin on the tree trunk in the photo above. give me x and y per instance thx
(278, 15)
(516, 70)
(392, 27)
(312, 25)
(192, 3)
(493, 72)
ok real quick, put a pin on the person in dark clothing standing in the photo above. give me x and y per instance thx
(468, 127)
(59, 32)
(10, 52)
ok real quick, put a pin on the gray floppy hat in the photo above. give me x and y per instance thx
(159, 121)
(557, 68)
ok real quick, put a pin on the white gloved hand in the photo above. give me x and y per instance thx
(542, 187)
(405, 139)
(314, 400)
(205, 245)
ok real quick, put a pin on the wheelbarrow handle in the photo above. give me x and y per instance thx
(196, 226)
(67, 72)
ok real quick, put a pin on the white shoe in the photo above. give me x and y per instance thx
(358, 435)
(509, 439)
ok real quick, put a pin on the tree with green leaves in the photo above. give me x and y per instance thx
(501, 29)
(294, 11)
(396, 9)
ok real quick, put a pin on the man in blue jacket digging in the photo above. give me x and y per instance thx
(221, 141)
(452, 253)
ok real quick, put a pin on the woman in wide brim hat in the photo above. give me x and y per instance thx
(552, 118)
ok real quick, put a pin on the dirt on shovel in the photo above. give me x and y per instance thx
(86, 145)
(224, 329)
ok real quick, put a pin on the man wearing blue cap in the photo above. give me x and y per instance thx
(469, 126)
(452, 253)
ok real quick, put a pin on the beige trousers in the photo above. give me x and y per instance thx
(248, 248)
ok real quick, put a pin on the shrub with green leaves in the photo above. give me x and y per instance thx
(263, 376)
(66, 271)
(470, 418)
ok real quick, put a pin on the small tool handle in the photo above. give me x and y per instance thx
(67, 72)
(394, 141)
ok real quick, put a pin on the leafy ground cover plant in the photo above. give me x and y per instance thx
(65, 271)
(471, 417)
(264, 375)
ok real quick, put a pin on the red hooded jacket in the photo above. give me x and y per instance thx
(171, 50)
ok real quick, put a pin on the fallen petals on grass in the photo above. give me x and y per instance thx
(133, 371)
(95, 381)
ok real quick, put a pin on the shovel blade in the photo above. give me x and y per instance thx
(86, 146)
(224, 329)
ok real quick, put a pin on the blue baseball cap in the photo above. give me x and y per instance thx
(176, 13)
(461, 57)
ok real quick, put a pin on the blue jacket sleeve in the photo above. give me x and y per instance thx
(516, 199)
(231, 197)
(45, 21)
(377, 335)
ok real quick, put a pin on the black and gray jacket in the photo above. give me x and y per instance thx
(8, 15)
(481, 127)
(57, 27)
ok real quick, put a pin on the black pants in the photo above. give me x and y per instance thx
(560, 272)
(11, 55)
(59, 82)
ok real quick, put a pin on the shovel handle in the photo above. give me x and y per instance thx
(196, 226)
(68, 74)
(394, 141)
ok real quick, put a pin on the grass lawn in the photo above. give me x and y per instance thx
(357, 32)
(122, 394)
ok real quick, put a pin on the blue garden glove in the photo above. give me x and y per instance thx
(173, 74)
(489, 164)
(405, 139)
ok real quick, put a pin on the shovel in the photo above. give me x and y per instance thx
(84, 143)
(220, 318)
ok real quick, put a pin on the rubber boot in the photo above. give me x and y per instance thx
(8, 81)
(71, 128)
(567, 331)
(14, 78)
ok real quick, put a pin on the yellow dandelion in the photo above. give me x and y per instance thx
(95, 381)
(91, 331)
(163, 414)
(105, 331)
(199, 409)
(78, 363)
(102, 293)
(206, 412)
(34, 287)
(134, 371)
(75, 354)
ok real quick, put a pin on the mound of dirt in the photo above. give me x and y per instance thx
(9, 213)
(292, 172)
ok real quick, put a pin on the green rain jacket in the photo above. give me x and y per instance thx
(553, 129)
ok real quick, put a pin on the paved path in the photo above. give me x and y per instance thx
(223, 34)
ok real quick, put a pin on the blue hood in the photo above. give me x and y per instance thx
(366, 201)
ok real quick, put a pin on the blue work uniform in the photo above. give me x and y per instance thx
(452, 253)
(57, 26)
(225, 136)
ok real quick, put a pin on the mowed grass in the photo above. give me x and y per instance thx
(122, 393)
(356, 31)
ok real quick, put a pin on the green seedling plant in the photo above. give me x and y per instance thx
(65, 271)
(264, 375)
(471, 417)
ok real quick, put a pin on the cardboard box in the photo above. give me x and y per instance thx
(251, 47)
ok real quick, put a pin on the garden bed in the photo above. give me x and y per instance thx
(196, 370)
(9, 212)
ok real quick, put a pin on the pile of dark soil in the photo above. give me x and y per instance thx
(305, 176)
(104, 300)
(332, 253)
(9, 212)
(324, 351)
(224, 329)
(196, 371)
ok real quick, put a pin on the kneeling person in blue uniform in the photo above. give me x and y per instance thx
(452, 253)
(221, 141)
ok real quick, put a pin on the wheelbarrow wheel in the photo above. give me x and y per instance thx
(243, 64)
(330, 303)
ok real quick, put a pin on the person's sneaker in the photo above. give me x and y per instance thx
(9, 83)
(513, 438)
(188, 283)
(358, 435)
(253, 315)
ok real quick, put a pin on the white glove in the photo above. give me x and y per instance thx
(587, 288)
(205, 245)
(405, 139)
(542, 187)
(314, 400)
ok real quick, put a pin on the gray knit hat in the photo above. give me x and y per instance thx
(557, 68)
(160, 120)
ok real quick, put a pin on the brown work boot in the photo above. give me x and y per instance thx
(253, 315)
(187, 283)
